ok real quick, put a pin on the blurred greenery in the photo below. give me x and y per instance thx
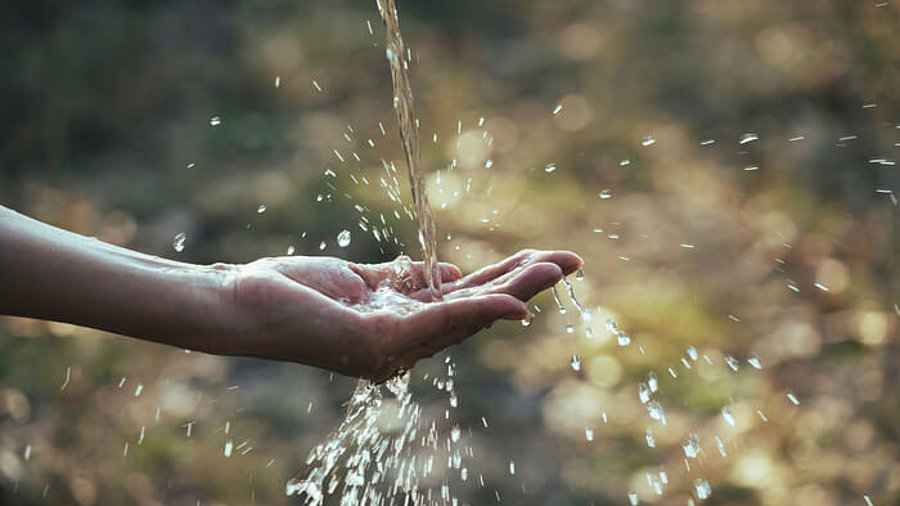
(784, 247)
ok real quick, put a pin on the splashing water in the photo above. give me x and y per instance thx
(384, 452)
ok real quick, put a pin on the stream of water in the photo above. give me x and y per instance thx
(398, 57)
(385, 451)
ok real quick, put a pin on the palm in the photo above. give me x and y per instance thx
(373, 320)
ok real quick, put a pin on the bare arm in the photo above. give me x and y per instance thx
(52, 274)
(361, 320)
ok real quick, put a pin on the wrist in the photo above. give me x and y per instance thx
(217, 313)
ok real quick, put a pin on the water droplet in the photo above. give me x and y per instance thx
(588, 434)
(701, 487)
(692, 352)
(277, 81)
(623, 339)
(624, 163)
(611, 326)
(455, 433)
(747, 138)
(762, 416)
(793, 399)
(322, 246)
(570, 328)
(488, 164)
(550, 167)
(557, 109)
(512, 467)
(655, 410)
(653, 381)
(644, 392)
(650, 438)
(261, 209)
(754, 362)
(721, 446)
(633, 498)
(692, 446)
(605, 194)
(648, 141)
(229, 446)
(215, 121)
(179, 242)
(529, 318)
(579, 275)
(728, 416)
(343, 239)
(868, 500)
(576, 363)
(290, 250)
(559, 304)
(732, 362)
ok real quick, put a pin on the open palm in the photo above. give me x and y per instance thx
(374, 320)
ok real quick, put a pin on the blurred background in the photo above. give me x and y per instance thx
(726, 169)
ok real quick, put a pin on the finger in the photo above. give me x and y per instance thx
(530, 281)
(490, 272)
(567, 261)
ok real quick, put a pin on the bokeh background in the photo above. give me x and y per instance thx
(726, 169)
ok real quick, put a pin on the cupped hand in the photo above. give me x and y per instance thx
(372, 321)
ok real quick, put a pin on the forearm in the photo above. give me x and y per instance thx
(53, 274)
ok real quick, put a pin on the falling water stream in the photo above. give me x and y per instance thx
(398, 57)
(385, 450)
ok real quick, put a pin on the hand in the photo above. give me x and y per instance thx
(372, 321)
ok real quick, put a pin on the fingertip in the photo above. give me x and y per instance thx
(517, 311)
(450, 272)
(568, 261)
(534, 279)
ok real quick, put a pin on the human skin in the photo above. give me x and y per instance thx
(365, 320)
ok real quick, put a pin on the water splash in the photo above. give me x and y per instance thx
(383, 450)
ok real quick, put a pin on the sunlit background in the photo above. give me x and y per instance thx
(726, 169)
